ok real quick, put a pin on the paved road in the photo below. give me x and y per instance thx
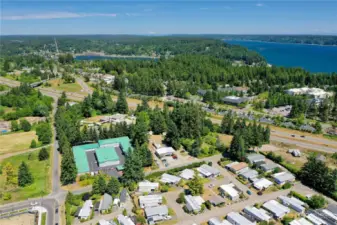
(84, 85)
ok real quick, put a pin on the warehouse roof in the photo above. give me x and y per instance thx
(106, 154)
(123, 141)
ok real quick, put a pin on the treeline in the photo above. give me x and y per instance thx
(26, 101)
(297, 39)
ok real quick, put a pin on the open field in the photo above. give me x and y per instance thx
(41, 175)
(225, 139)
(23, 219)
(58, 84)
(133, 102)
(16, 142)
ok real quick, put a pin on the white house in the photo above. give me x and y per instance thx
(315, 219)
(229, 191)
(300, 221)
(193, 203)
(169, 179)
(217, 221)
(237, 219)
(86, 210)
(165, 151)
(147, 186)
(262, 183)
(276, 209)
(150, 201)
(155, 214)
(208, 171)
(293, 203)
(124, 220)
(257, 214)
(283, 177)
(187, 174)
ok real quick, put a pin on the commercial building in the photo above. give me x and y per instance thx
(315, 93)
(229, 191)
(150, 201)
(208, 171)
(276, 209)
(169, 179)
(105, 203)
(124, 220)
(147, 186)
(234, 100)
(300, 221)
(237, 219)
(155, 214)
(104, 155)
(255, 158)
(262, 183)
(283, 177)
(85, 211)
(257, 214)
(187, 174)
(193, 203)
(165, 151)
(237, 167)
(293, 203)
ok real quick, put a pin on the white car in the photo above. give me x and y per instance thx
(34, 203)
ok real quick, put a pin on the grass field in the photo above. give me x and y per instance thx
(23, 219)
(41, 174)
(59, 85)
(16, 142)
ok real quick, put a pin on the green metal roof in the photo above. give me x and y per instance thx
(106, 154)
(81, 157)
(123, 141)
(120, 167)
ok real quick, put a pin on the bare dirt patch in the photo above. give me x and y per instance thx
(23, 219)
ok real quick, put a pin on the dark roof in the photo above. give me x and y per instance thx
(96, 206)
(123, 195)
(77, 211)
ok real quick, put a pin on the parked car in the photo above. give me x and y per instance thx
(166, 164)
(249, 192)
(302, 136)
(174, 156)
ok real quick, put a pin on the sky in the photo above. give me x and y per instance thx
(158, 17)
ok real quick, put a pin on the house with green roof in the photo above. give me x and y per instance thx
(105, 154)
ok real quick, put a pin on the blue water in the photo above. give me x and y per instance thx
(313, 58)
(98, 57)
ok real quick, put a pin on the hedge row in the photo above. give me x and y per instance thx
(174, 170)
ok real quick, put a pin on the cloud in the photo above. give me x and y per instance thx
(259, 5)
(56, 15)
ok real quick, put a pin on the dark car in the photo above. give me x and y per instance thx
(56, 210)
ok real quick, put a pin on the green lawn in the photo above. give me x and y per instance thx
(43, 219)
(41, 174)
(70, 87)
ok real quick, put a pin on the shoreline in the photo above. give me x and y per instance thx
(277, 42)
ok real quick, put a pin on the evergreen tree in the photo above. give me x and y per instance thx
(62, 100)
(157, 122)
(195, 185)
(133, 171)
(145, 155)
(267, 135)
(25, 125)
(33, 144)
(99, 185)
(113, 187)
(122, 104)
(140, 129)
(25, 177)
(324, 110)
(87, 106)
(172, 135)
(43, 154)
(68, 166)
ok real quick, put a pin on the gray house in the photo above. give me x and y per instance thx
(155, 214)
(105, 203)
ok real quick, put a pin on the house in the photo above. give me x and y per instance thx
(150, 201)
(229, 191)
(165, 151)
(330, 215)
(208, 171)
(124, 220)
(216, 200)
(266, 120)
(237, 219)
(262, 183)
(216, 221)
(308, 128)
(234, 100)
(257, 214)
(283, 177)
(169, 179)
(105, 203)
(255, 158)
(268, 167)
(123, 197)
(105, 222)
(321, 158)
(187, 174)
(332, 208)
(276, 209)
(293, 203)
(237, 167)
(201, 92)
(193, 203)
(249, 174)
(85, 212)
(300, 221)
(155, 214)
(147, 186)
(288, 125)
(315, 219)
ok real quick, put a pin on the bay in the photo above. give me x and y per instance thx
(314, 58)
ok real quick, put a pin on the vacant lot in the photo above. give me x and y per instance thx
(41, 175)
(225, 139)
(16, 142)
(71, 87)
(24, 219)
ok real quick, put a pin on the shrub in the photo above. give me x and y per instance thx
(181, 198)
(7, 196)
(317, 201)
(43, 154)
(164, 188)
(287, 185)
(125, 212)
(286, 220)
(33, 144)
(208, 205)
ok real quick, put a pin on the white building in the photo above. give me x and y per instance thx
(85, 212)
(229, 191)
(300, 221)
(208, 171)
(315, 219)
(217, 221)
(165, 151)
(147, 186)
(276, 208)
(124, 220)
(193, 203)
(150, 201)
(155, 214)
(262, 183)
(257, 214)
(293, 203)
(187, 174)
(169, 179)
(315, 93)
(283, 177)
(237, 219)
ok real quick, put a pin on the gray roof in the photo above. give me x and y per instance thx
(283, 177)
(106, 202)
(155, 211)
(208, 170)
(268, 166)
(192, 202)
(123, 195)
(307, 128)
(249, 174)
(266, 120)
(332, 208)
(255, 157)
(288, 124)
(234, 99)
(86, 209)
(216, 200)
(201, 92)
(238, 219)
